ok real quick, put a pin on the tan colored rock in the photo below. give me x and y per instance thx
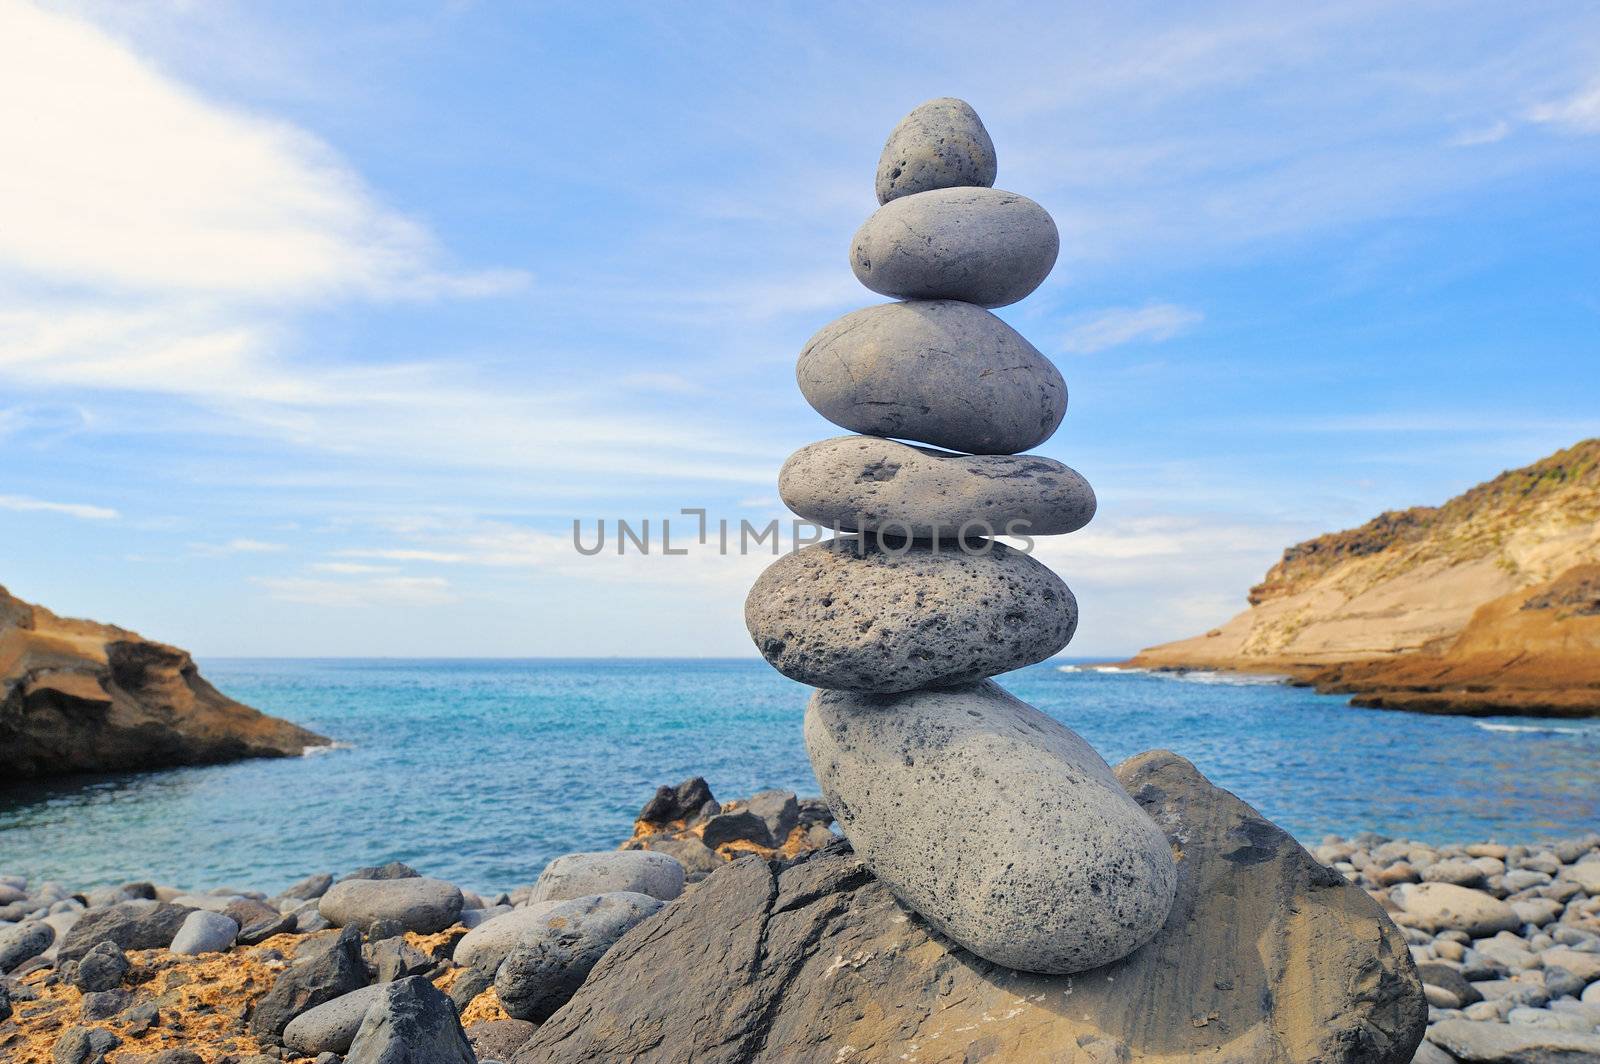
(1447, 907)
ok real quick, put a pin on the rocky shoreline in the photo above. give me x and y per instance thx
(384, 964)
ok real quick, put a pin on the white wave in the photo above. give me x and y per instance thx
(1115, 669)
(1068, 668)
(313, 751)
(1535, 729)
(1224, 679)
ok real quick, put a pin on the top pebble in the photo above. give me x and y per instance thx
(941, 144)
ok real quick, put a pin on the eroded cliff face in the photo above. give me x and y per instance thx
(77, 696)
(1495, 589)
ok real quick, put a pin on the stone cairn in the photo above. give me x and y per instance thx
(998, 825)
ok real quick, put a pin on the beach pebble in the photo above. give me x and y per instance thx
(411, 1022)
(84, 1045)
(102, 968)
(580, 875)
(486, 945)
(1489, 1043)
(1461, 873)
(205, 932)
(1585, 964)
(130, 924)
(978, 245)
(471, 918)
(332, 1025)
(1440, 906)
(1428, 1053)
(413, 903)
(308, 889)
(695, 856)
(940, 144)
(866, 482)
(886, 620)
(324, 972)
(553, 958)
(939, 372)
(499, 1039)
(23, 942)
(1585, 874)
(995, 822)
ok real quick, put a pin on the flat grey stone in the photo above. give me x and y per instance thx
(413, 903)
(865, 482)
(319, 974)
(83, 1045)
(995, 822)
(978, 245)
(778, 810)
(936, 371)
(130, 924)
(411, 1022)
(1447, 907)
(1502, 1043)
(930, 616)
(552, 959)
(332, 1025)
(940, 144)
(580, 875)
(205, 932)
(24, 942)
(486, 945)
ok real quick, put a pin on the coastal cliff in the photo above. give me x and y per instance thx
(1487, 604)
(77, 696)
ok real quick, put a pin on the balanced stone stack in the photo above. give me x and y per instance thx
(997, 824)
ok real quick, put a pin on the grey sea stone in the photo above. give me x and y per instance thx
(552, 959)
(499, 1039)
(1471, 1042)
(696, 857)
(940, 144)
(486, 945)
(995, 822)
(392, 870)
(580, 875)
(205, 932)
(331, 1026)
(863, 616)
(778, 810)
(327, 972)
(937, 371)
(84, 1045)
(737, 825)
(978, 245)
(414, 903)
(130, 924)
(411, 1022)
(102, 968)
(869, 483)
(471, 918)
(23, 942)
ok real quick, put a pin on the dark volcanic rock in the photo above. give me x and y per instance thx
(682, 802)
(336, 970)
(76, 696)
(411, 1023)
(392, 870)
(739, 826)
(1267, 958)
(102, 968)
(130, 925)
(83, 1045)
(23, 943)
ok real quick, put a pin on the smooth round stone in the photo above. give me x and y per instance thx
(866, 482)
(936, 371)
(579, 875)
(23, 942)
(921, 615)
(941, 144)
(331, 1026)
(486, 945)
(415, 904)
(978, 245)
(553, 959)
(999, 825)
(204, 932)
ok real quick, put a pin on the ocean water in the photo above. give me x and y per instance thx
(481, 771)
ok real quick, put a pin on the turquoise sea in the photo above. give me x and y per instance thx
(481, 771)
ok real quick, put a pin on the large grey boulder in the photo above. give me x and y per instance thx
(898, 618)
(24, 942)
(995, 822)
(413, 903)
(552, 960)
(331, 1026)
(328, 971)
(940, 144)
(129, 924)
(486, 945)
(580, 875)
(978, 245)
(1267, 958)
(865, 482)
(938, 371)
(411, 1022)
(1471, 1042)
(205, 932)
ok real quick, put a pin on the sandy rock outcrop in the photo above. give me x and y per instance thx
(77, 696)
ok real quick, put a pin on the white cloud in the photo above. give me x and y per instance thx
(240, 546)
(405, 555)
(377, 591)
(351, 568)
(1578, 113)
(24, 504)
(1113, 327)
(1490, 134)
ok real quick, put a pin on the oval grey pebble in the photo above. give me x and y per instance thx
(938, 371)
(917, 615)
(940, 144)
(978, 245)
(865, 482)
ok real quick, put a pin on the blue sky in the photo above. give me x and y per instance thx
(320, 323)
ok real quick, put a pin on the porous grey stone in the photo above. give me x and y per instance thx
(978, 245)
(414, 903)
(486, 945)
(205, 932)
(23, 943)
(936, 371)
(940, 144)
(552, 959)
(865, 482)
(411, 1022)
(919, 615)
(580, 875)
(331, 1026)
(995, 822)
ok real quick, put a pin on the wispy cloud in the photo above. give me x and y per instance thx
(24, 504)
(239, 546)
(1116, 326)
(1578, 113)
(357, 594)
